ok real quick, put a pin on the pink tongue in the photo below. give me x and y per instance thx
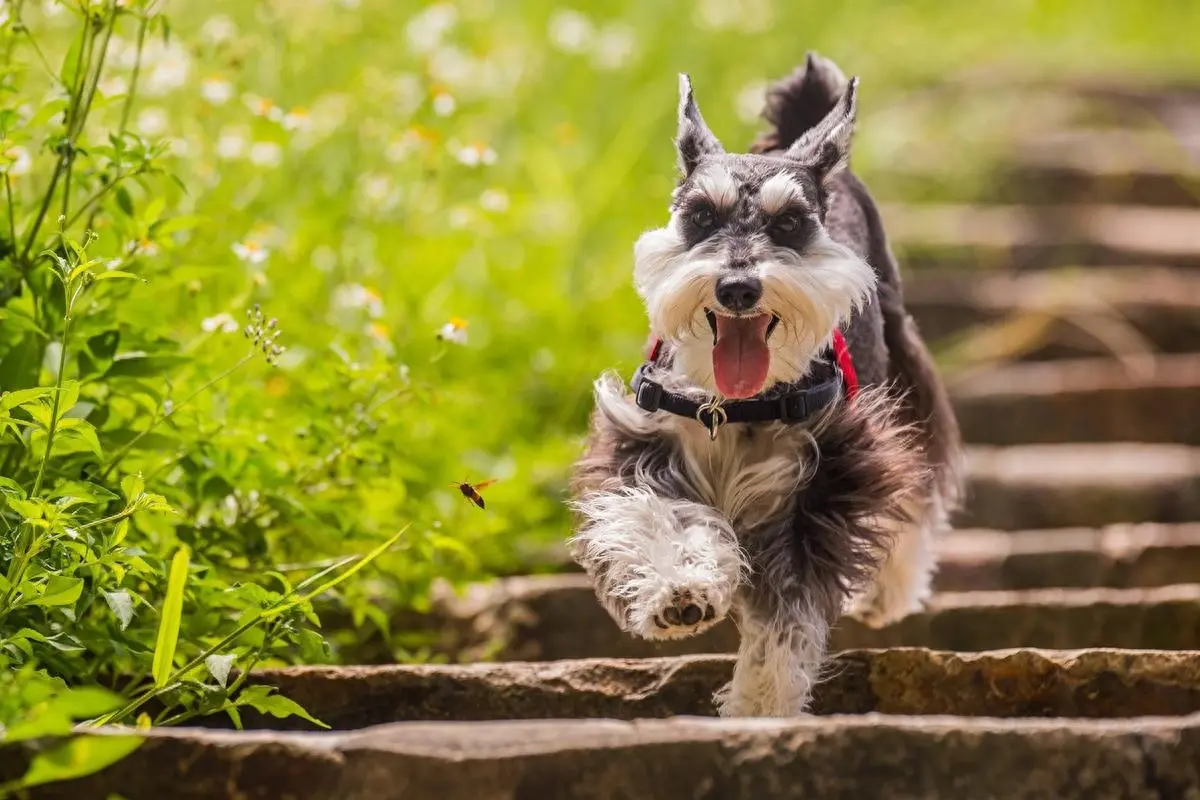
(740, 356)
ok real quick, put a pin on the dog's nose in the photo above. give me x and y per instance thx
(739, 294)
(691, 614)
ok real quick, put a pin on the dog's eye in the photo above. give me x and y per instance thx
(703, 218)
(787, 223)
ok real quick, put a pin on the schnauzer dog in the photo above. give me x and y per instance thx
(787, 451)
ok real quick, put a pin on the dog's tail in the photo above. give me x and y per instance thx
(799, 101)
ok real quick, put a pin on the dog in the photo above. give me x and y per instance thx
(787, 451)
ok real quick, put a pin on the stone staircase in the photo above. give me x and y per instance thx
(1059, 658)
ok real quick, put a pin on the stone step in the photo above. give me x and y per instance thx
(830, 757)
(1081, 485)
(1086, 400)
(909, 681)
(1117, 557)
(1161, 304)
(1037, 237)
(552, 617)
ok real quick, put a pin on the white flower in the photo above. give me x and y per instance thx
(354, 297)
(113, 263)
(296, 119)
(16, 160)
(571, 31)
(169, 69)
(425, 30)
(350, 3)
(266, 154)
(494, 200)
(178, 147)
(142, 247)
(378, 192)
(152, 121)
(750, 101)
(459, 218)
(222, 322)
(216, 91)
(263, 107)
(473, 155)
(444, 104)
(454, 331)
(409, 93)
(114, 86)
(250, 251)
(231, 143)
(453, 66)
(218, 29)
(614, 46)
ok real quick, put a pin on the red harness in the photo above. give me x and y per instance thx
(841, 355)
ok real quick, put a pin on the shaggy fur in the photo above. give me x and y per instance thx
(777, 526)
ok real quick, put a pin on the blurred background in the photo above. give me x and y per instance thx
(437, 202)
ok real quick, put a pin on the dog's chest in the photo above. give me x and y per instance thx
(749, 472)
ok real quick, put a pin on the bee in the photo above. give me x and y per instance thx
(471, 491)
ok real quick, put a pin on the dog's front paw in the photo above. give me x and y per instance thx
(677, 612)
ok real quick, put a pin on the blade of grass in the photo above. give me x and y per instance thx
(172, 614)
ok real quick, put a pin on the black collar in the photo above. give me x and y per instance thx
(791, 404)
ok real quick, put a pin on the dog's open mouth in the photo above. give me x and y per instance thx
(741, 358)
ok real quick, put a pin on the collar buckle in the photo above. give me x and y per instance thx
(649, 394)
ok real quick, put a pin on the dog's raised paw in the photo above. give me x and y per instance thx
(680, 612)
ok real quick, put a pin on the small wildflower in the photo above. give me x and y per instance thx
(454, 331)
(171, 64)
(143, 247)
(425, 30)
(222, 322)
(444, 104)
(473, 155)
(16, 161)
(152, 121)
(262, 107)
(266, 154)
(379, 331)
(494, 200)
(218, 29)
(114, 86)
(614, 46)
(250, 251)
(296, 119)
(216, 91)
(231, 144)
(571, 31)
(355, 296)
(459, 218)
(263, 333)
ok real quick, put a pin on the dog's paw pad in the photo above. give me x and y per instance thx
(683, 613)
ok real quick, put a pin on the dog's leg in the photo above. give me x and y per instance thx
(663, 568)
(904, 580)
(778, 662)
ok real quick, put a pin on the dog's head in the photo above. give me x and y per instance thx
(744, 281)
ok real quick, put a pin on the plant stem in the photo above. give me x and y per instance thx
(87, 95)
(120, 454)
(58, 380)
(127, 106)
(12, 218)
(120, 515)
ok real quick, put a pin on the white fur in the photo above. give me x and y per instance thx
(719, 186)
(654, 550)
(905, 579)
(779, 192)
(779, 662)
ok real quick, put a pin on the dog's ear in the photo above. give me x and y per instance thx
(694, 140)
(825, 148)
